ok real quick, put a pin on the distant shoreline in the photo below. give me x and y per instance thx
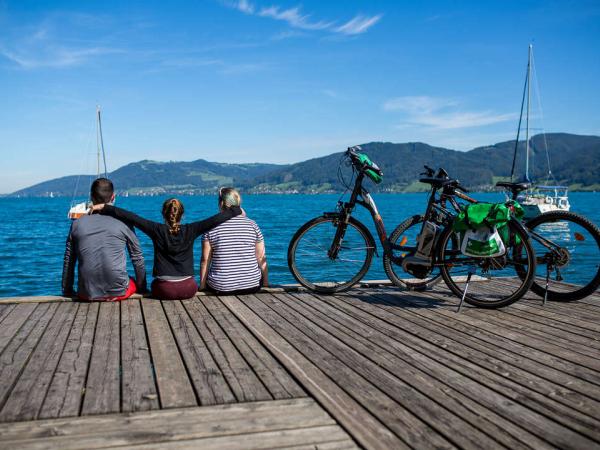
(482, 191)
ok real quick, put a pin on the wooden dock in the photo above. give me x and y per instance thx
(373, 368)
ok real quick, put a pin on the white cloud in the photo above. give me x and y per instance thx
(40, 45)
(56, 57)
(295, 18)
(358, 25)
(441, 113)
(244, 6)
(417, 104)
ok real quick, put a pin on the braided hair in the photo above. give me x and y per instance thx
(172, 212)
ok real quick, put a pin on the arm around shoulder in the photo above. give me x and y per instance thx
(146, 226)
(202, 226)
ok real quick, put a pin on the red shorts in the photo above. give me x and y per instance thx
(131, 289)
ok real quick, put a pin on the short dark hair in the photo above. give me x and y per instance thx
(102, 191)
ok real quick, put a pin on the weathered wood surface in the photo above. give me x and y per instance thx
(434, 378)
(280, 423)
(394, 369)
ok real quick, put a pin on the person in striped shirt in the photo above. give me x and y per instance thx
(233, 253)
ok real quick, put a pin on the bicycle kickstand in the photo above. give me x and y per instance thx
(471, 272)
(547, 283)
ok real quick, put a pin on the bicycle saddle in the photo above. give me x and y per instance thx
(514, 187)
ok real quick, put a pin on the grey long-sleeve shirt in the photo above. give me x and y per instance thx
(98, 244)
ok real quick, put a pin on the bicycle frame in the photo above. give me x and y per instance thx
(360, 196)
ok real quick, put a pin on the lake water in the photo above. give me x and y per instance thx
(33, 231)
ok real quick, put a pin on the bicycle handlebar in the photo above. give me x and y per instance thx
(353, 152)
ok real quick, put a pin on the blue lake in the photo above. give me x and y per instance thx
(33, 231)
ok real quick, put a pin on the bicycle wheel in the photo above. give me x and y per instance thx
(405, 235)
(495, 282)
(573, 260)
(309, 261)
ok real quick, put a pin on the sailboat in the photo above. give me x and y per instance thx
(81, 209)
(538, 199)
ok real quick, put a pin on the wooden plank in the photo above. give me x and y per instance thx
(419, 372)
(532, 406)
(244, 383)
(277, 380)
(362, 425)
(238, 423)
(138, 386)
(103, 385)
(527, 327)
(209, 383)
(14, 319)
(105, 423)
(35, 299)
(386, 373)
(17, 352)
(176, 438)
(395, 416)
(174, 386)
(5, 310)
(506, 341)
(46, 299)
(527, 371)
(29, 392)
(280, 439)
(65, 394)
(582, 325)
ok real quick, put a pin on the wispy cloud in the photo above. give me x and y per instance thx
(296, 18)
(358, 25)
(441, 113)
(54, 57)
(41, 45)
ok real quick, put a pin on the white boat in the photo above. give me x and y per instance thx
(542, 199)
(538, 199)
(78, 210)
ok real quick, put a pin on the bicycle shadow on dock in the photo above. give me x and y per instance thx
(394, 296)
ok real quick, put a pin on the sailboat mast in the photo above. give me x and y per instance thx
(528, 110)
(98, 141)
(100, 144)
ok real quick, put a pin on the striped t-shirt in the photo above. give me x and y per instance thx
(234, 265)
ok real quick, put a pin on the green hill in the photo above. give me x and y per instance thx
(153, 177)
(575, 160)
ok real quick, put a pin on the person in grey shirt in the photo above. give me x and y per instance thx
(98, 244)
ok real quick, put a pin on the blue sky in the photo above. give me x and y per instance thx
(280, 81)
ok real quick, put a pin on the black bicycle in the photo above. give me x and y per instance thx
(333, 252)
(566, 244)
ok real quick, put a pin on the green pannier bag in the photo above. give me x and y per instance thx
(483, 228)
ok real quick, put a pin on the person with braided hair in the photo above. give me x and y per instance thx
(173, 243)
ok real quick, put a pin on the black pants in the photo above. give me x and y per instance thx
(247, 291)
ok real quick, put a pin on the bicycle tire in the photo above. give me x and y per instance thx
(525, 279)
(389, 265)
(317, 285)
(587, 289)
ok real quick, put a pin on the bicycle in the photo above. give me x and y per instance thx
(332, 252)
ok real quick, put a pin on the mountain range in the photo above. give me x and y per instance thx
(574, 160)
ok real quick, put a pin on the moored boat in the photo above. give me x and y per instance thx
(78, 210)
(538, 199)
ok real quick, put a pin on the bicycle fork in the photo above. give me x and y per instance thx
(340, 232)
